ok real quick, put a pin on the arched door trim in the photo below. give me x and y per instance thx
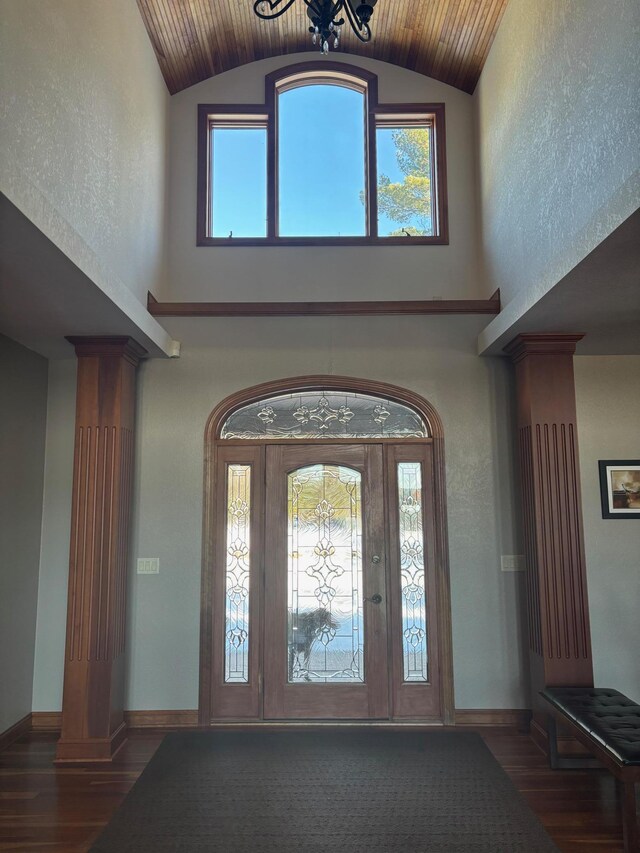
(212, 441)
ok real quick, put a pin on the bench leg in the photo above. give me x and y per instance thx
(557, 762)
(629, 818)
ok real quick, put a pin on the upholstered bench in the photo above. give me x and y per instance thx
(608, 723)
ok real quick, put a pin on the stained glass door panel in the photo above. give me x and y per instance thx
(324, 595)
(325, 631)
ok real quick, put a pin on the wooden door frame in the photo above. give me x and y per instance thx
(350, 384)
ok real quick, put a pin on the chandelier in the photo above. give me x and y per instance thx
(326, 26)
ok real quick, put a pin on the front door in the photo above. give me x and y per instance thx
(324, 598)
(325, 601)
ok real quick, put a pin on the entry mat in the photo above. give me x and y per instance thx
(344, 791)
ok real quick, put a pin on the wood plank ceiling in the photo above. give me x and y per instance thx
(445, 39)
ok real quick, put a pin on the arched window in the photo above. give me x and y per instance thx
(321, 161)
(326, 413)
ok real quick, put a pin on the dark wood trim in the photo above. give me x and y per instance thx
(272, 79)
(372, 108)
(322, 309)
(267, 242)
(187, 719)
(311, 383)
(46, 721)
(22, 727)
(517, 718)
(41, 721)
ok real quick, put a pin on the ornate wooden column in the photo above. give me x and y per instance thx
(92, 707)
(559, 634)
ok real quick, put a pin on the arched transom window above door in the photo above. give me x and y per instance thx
(325, 413)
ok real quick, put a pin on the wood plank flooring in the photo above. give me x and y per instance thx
(62, 810)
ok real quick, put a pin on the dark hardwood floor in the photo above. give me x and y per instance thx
(44, 808)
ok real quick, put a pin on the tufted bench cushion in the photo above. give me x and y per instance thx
(610, 717)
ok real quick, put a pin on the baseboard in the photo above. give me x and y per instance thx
(22, 727)
(161, 719)
(46, 721)
(517, 718)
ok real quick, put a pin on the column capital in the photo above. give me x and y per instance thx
(542, 343)
(101, 346)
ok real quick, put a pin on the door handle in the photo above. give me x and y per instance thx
(376, 598)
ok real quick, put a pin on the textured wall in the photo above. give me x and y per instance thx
(56, 527)
(557, 105)
(23, 407)
(233, 273)
(84, 134)
(608, 405)
(433, 356)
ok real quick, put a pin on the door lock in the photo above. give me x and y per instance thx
(376, 598)
(375, 559)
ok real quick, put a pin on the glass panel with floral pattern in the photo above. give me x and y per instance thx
(238, 525)
(325, 639)
(324, 414)
(414, 616)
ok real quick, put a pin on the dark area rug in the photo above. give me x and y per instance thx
(345, 791)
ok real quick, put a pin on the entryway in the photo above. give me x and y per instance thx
(325, 593)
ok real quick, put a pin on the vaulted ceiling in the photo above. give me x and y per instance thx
(445, 39)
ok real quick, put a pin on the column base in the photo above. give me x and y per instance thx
(91, 750)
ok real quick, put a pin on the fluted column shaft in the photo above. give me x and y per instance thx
(93, 700)
(558, 609)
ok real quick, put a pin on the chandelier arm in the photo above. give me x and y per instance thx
(311, 4)
(361, 30)
(274, 11)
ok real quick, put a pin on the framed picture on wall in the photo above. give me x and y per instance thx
(620, 488)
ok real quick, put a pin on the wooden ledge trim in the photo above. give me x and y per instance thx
(542, 343)
(322, 309)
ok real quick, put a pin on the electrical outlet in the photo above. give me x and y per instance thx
(512, 563)
(148, 565)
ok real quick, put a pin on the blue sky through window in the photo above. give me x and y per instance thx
(239, 182)
(321, 137)
(321, 167)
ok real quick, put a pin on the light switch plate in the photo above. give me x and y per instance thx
(148, 565)
(512, 563)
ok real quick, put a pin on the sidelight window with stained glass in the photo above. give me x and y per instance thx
(325, 619)
(238, 555)
(412, 572)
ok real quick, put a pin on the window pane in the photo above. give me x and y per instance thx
(325, 414)
(414, 617)
(325, 575)
(321, 162)
(404, 181)
(236, 663)
(239, 182)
